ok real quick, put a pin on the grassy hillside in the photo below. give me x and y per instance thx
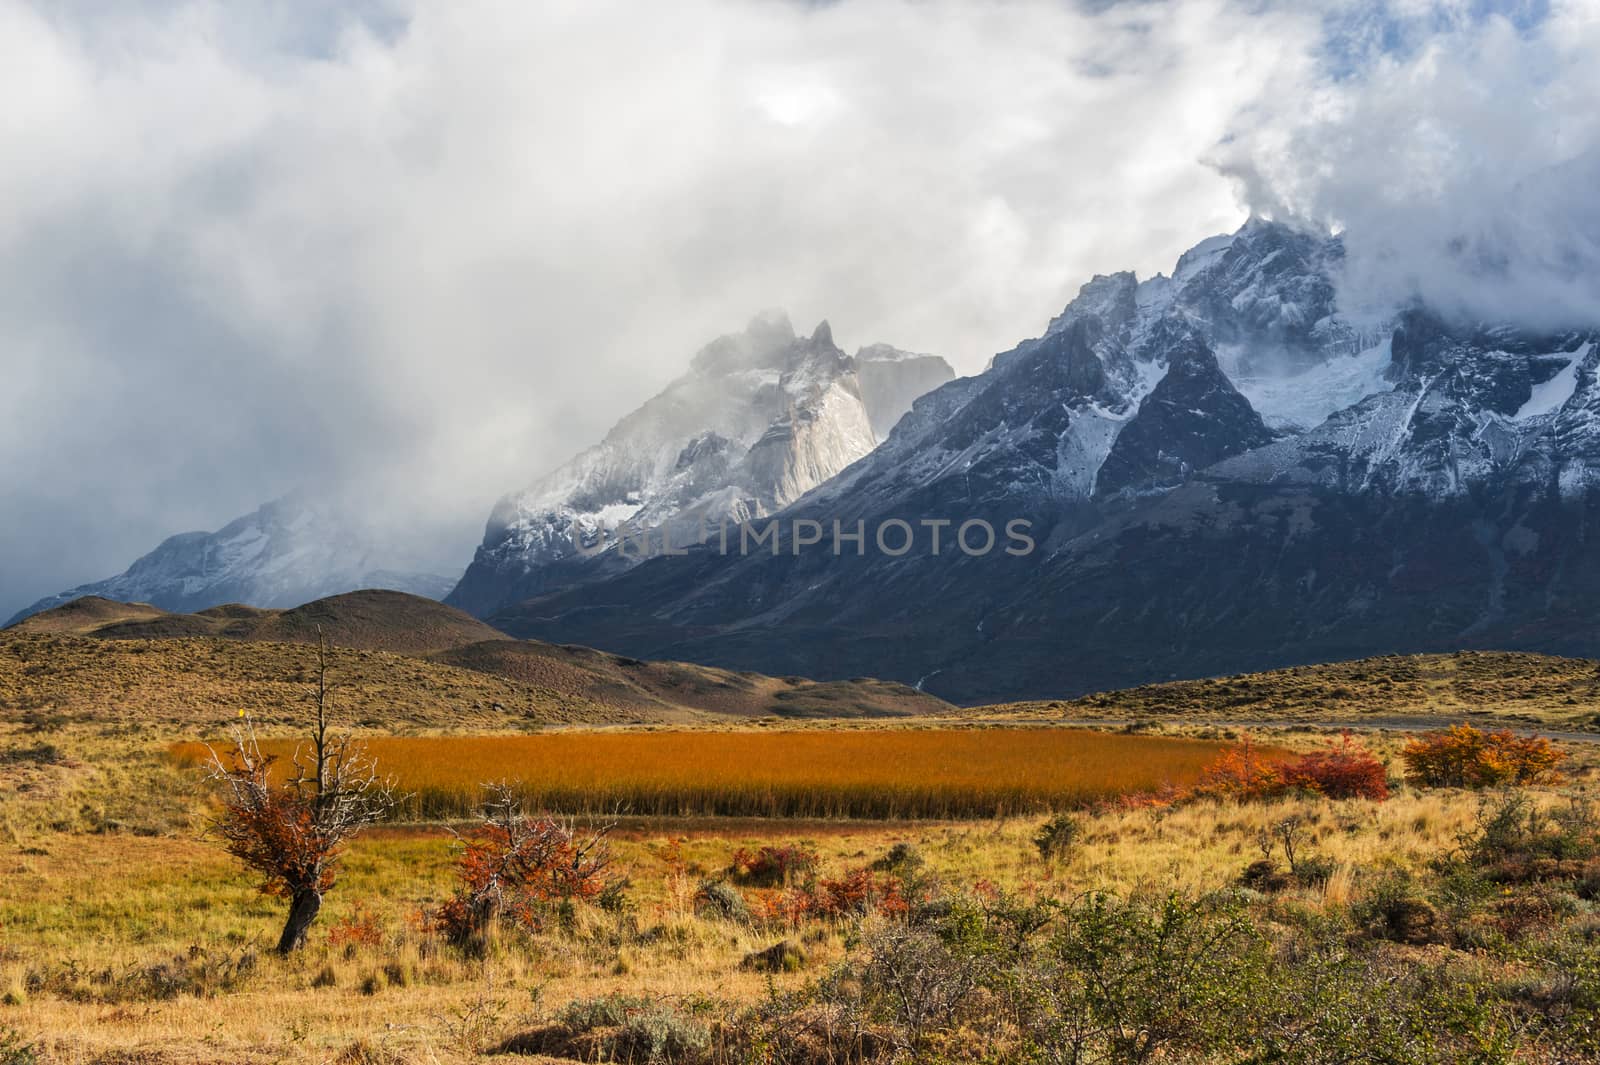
(1532, 689)
(189, 682)
(372, 620)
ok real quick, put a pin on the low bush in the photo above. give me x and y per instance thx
(784, 956)
(903, 858)
(635, 1028)
(771, 866)
(854, 893)
(720, 900)
(519, 869)
(360, 928)
(1057, 836)
(1345, 770)
(15, 1050)
(1395, 910)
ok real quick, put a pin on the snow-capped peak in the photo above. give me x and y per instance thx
(760, 418)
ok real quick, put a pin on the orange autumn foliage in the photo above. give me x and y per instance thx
(1465, 757)
(859, 773)
(517, 868)
(1343, 770)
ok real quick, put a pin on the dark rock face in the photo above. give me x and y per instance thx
(1193, 418)
(1220, 473)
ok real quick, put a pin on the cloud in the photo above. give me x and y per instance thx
(1457, 146)
(427, 252)
(419, 254)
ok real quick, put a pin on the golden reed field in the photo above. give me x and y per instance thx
(922, 773)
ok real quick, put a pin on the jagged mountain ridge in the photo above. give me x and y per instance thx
(287, 552)
(1223, 474)
(760, 418)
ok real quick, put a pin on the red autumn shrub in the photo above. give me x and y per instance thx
(518, 868)
(360, 929)
(785, 863)
(1345, 770)
(854, 893)
(1241, 774)
(1464, 757)
(857, 892)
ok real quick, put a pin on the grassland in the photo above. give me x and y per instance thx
(118, 948)
(371, 620)
(126, 936)
(880, 774)
(192, 684)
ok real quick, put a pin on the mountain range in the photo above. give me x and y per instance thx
(1221, 473)
(1217, 471)
(761, 417)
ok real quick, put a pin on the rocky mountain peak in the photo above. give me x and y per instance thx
(822, 335)
(1111, 298)
(287, 552)
(761, 417)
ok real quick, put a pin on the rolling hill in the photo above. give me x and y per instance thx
(371, 620)
(398, 662)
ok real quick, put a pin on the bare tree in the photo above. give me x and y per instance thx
(293, 830)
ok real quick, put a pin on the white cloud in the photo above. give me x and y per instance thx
(434, 250)
(1463, 168)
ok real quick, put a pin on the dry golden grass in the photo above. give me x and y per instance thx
(1536, 690)
(84, 916)
(123, 932)
(885, 774)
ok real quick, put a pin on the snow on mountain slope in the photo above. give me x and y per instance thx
(1466, 408)
(761, 418)
(1299, 401)
(286, 553)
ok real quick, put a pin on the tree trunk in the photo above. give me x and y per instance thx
(302, 911)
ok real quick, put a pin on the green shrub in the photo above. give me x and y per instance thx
(903, 858)
(1057, 836)
(639, 1029)
(15, 1050)
(1395, 910)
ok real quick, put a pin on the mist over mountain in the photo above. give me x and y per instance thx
(285, 553)
(760, 418)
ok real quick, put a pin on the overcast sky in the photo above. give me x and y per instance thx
(429, 251)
